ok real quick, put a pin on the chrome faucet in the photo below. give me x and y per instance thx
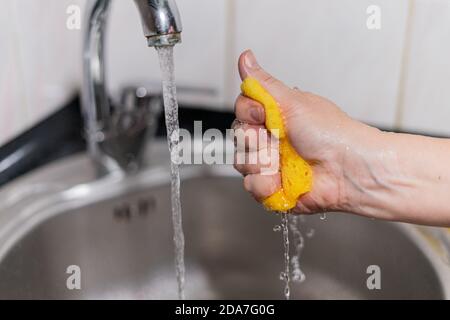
(117, 136)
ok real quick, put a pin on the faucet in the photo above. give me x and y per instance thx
(116, 136)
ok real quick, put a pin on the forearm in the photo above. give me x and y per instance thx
(404, 178)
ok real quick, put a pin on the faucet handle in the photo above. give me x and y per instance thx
(140, 103)
(132, 125)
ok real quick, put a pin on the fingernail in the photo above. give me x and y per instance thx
(256, 115)
(250, 61)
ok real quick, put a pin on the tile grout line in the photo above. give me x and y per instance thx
(400, 103)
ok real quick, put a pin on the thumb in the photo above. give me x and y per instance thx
(249, 67)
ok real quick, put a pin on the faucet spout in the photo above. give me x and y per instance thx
(115, 142)
(161, 22)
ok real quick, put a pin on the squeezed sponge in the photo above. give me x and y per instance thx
(296, 173)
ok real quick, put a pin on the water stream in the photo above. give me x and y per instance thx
(173, 138)
(286, 274)
(292, 237)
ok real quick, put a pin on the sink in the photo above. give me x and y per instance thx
(118, 231)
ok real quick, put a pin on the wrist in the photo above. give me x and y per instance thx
(366, 163)
(397, 177)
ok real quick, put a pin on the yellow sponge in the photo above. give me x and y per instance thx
(296, 173)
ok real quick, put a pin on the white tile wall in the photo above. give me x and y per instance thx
(427, 89)
(321, 46)
(325, 47)
(39, 62)
(199, 59)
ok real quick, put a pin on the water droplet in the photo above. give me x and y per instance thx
(323, 216)
(287, 293)
(277, 228)
(141, 92)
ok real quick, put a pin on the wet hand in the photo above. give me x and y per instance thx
(318, 130)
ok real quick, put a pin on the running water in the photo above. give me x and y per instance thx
(285, 275)
(290, 227)
(173, 138)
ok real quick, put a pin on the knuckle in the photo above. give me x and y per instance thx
(269, 80)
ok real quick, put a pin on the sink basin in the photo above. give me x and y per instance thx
(118, 231)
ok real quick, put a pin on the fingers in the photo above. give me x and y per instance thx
(249, 67)
(261, 186)
(264, 162)
(249, 111)
(246, 167)
(250, 137)
(256, 151)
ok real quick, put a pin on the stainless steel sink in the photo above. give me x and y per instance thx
(118, 231)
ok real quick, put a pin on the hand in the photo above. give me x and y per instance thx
(319, 131)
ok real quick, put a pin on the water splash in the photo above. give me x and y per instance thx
(173, 138)
(299, 243)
